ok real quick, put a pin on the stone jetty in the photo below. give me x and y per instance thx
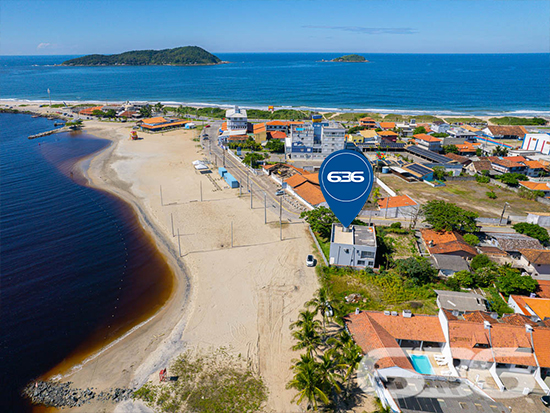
(55, 394)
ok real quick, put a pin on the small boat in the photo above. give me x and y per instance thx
(58, 124)
(35, 116)
(51, 118)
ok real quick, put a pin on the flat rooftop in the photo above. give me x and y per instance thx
(355, 235)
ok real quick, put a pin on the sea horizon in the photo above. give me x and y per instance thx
(403, 83)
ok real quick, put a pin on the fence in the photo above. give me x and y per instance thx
(318, 246)
(460, 178)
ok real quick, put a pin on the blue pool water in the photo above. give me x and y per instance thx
(422, 364)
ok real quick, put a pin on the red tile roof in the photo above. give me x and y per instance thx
(445, 242)
(277, 134)
(535, 186)
(295, 180)
(387, 125)
(540, 257)
(258, 127)
(544, 288)
(426, 138)
(310, 193)
(89, 111)
(387, 133)
(396, 202)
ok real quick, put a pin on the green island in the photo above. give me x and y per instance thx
(350, 58)
(181, 56)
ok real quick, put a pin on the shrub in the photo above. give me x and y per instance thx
(510, 281)
(418, 270)
(532, 230)
(396, 225)
(471, 239)
(482, 179)
(491, 195)
(481, 261)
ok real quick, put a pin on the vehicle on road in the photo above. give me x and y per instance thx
(207, 126)
(545, 400)
(310, 261)
(280, 192)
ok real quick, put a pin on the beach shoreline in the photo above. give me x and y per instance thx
(484, 115)
(257, 308)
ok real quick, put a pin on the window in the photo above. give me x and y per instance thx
(361, 262)
(367, 254)
(371, 263)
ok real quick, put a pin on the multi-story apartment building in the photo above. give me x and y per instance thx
(315, 140)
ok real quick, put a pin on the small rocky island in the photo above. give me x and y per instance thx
(350, 58)
(180, 56)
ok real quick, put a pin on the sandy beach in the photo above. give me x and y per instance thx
(243, 298)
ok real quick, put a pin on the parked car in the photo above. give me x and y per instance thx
(280, 192)
(545, 400)
(310, 261)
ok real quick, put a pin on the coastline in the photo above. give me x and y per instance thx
(259, 285)
(484, 114)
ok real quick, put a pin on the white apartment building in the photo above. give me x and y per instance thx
(315, 140)
(237, 121)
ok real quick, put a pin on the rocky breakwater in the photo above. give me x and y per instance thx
(54, 394)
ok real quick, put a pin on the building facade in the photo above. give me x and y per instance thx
(315, 140)
(352, 247)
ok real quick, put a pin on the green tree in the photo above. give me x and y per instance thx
(306, 332)
(275, 145)
(439, 173)
(376, 194)
(479, 152)
(309, 383)
(491, 194)
(510, 281)
(482, 179)
(98, 113)
(450, 149)
(111, 113)
(418, 130)
(465, 279)
(321, 305)
(471, 239)
(146, 111)
(252, 159)
(320, 220)
(500, 151)
(158, 107)
(440, 135)
(419, 270)
(481, 261)
(532, 230)
(443, 216)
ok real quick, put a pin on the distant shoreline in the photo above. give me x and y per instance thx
(167, 64)
(383, 111)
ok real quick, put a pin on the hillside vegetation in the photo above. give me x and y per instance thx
(188, 55)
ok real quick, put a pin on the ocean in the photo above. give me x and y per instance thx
(77, 269)
(482, 84)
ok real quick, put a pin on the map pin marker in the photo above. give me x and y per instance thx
(346, 179)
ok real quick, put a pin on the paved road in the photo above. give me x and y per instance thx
(259, 184)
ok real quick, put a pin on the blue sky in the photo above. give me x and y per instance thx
(362, 26)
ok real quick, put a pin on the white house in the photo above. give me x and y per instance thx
(536, 262)
(440, 127)
(539, 142)
(237, 121)
(315, 140)
(352, 247)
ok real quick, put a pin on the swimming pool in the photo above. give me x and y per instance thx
(421, 364)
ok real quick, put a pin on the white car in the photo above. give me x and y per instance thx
(310, 261)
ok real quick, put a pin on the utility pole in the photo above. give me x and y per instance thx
(265, 208)
(223, 151)
(502, 215)
(251, 199)
(231, 234)
(172, 221)
(161, 201)
(281, 218)
(201, 189)
(387, 204)
(179, 242)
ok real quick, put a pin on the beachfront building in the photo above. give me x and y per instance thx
(354, 246)
(160, 124)
(427, 142)
(237, 121)
(369, 123)
(314, 140)
(505, 132)
(474, 345)
(440, 127)
(538, 142)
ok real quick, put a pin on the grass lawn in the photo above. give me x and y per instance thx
(387, 291)
(469, 195)
(403, 245)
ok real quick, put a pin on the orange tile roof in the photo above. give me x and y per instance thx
(445, 242)
(387, 133)
(224, 126)
(89, 111)
(458, 158)
(164, 125)
(418, 327)
(507, 130)
(518, 299)
(427, 138)
(310, 193)
(387, 125)
(367, 119)
(535, 186)
(374, 339)
(158, 119)
(534, 164)
(258, 127)
(295, 180)
(544, 288)
(278, 134)
(541, 257)
(470, 128)
(541, 306)
(396, 202)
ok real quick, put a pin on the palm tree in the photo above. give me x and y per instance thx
(158, 107)
(321, 305)
(309, 383)
(307, 338)
(348, 353)
(328, 367)
(305, 318)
